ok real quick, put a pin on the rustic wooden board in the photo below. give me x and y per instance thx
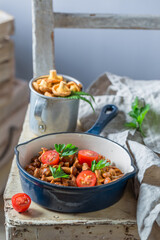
(10, 131)
(6, 88)
(108, 21)
(6, 25)
(78, 232)
(6, 50)
(6, 70)
(6, 92)
(6, 162)
(12, 123)
(2, 228)
(19, 96)
(42, 37)
(15, 121)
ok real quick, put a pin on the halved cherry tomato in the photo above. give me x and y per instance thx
(86, 178)
(21, 202)
(50, 157)
(87, 156)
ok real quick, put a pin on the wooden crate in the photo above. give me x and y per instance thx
(6, 160)
(7, 70)
(6, 50)
(19, 98)
(6, 25)
(11, 121)
(6, 57)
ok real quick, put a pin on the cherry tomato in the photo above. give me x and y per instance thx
(50, 157)
(86, 178)
(87, 156)
(21, 202)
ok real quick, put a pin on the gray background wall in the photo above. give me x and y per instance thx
(85, 54)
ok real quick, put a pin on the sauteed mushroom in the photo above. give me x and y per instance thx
(85, 167)
(36, 87)
(53, 77)
(61, 89)
(100, 180)
(48, 94)
(55, 85)
(43, 86)
(68, 171)
(74, 87)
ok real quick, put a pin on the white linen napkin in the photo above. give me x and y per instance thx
(121, 91)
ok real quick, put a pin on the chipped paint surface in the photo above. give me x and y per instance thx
(102, 232)
(115, 222)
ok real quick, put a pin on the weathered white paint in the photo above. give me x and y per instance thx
(42, 36)
(112, 21)
(115, 222)
(73, 232)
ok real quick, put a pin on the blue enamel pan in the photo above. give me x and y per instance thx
(74, 199)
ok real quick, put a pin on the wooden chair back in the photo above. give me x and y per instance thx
(45, 20)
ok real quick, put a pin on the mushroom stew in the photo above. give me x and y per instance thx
(66, 165)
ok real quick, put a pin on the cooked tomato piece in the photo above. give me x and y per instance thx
(86, 178)
(21, 202)
(50, 157)
(87, 156)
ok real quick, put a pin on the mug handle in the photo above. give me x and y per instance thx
(104, 119)
(40, 104)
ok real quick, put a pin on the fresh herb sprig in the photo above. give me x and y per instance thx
(58, 173)
(81, 95)
(65, 150)
(101, 164)
(137, 114)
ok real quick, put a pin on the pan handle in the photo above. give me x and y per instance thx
(108, 112)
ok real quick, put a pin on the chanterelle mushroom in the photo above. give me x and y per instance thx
(53, 77)
(74, 87)
(43, 86)
(52, 74)
(61, 89)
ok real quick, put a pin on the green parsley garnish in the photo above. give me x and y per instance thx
(80, 95)
(138, 113)
(58, 173)
(101, 164)
(65, 150)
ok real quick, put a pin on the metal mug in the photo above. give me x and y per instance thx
(52, 114)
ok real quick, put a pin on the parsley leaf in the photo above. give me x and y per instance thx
(58, 173)
(80, 95)
(65, 150)
(59, 147)
(101, 164)
(138, 113)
